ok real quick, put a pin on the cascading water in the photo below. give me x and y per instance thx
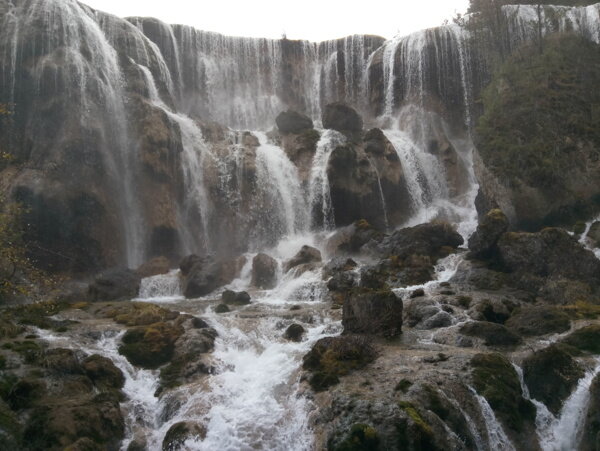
(89, 75)
(279, 178)
(564, 433)
(497, 439)
(319, 193)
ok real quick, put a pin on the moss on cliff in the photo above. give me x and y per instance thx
(542, 114)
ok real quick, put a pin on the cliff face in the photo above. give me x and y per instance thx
(124, 142)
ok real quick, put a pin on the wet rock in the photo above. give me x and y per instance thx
(154, 267)
(294, 333)
(425, 239)
(552, 255)
(372, 312)
(418, 293)
(492, 310)
(115, 284)
(150, 346)
(10, 428)
(235, 298)
(57, 425)
(138, 313)
(306, 255)
(186, 265)
(180, 432)
(585, 339)
(25, 392)
(497, 381)
(493, 334)
(351, 239)
(334, 357)
(341, 117)
(103, 372)
(594, 234)
(551, 376)
(491, 227)
(440, 319)
(198, 323)
(206, 275)
(61, 361)
(293, 122)
(222, 308)
(85, 444)
(264, 272)
(537, 320)
(419, 310)
(360, 437)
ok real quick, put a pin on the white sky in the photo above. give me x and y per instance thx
(315, 20)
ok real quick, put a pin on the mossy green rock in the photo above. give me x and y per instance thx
(539, 320)
(497, 381)
(585, 339)
(551, 376)
(333, 357)
(493, 334)
(150, 346)
(10, 429)
(361, 438)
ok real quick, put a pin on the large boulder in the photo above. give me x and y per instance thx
(177, 435)
(491, 227)
(539, 320)
(372, 312)
(351, 239)
(115, 284)
(55, 425)
(306, 255)
(491, 333)
(495, 378)
(585, 339)
(103, 372)
(341, 117)
(425, 239)
(264, 271)
(235, 298)
(551, 263)
(154, 267)
(551, 376)
(293, 122)
(150, 346)
(206, 275)
(333, 357)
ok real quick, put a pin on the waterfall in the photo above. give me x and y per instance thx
(497, 439)
(162, 288)
(319, 192)
(587, 242)
(278, 176)
(564, 432)
(89, 75)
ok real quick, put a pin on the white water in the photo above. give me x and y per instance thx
(564, 433)
(319, 192)
(141, 407)
(162, 288)
(587, 242)
(497, 439)
(280, 179)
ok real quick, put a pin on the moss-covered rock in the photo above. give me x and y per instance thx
(585, 339)
(222, 308)
(539, 320)
(493, 334)
(10, 428)
(103, 372)
(180, 432)
(375, 312)
(551, 375)
(138, 313)
(497, 381)
(361, 437)
(333, 357)
(150, 346)
(57, 425)
(482, 243)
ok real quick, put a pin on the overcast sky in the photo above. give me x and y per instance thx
(315, 20)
